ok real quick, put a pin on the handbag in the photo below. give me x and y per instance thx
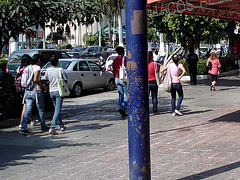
(123, 72)
(209, 64)
(62, 86)
(156, 71)
(167, 82)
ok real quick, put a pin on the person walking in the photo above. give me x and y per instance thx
(52, 74)
(237, 62)
(214, 70)
(175, 68)
(121, 86)
(34, 95)
(153, 87)
(25, 61)
(192, 60)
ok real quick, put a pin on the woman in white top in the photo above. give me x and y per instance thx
(52, 75)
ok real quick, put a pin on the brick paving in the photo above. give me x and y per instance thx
(201, 144)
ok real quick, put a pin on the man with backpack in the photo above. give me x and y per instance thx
(31, 82)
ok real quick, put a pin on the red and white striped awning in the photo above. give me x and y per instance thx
(222, 9)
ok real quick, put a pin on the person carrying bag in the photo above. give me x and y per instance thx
(57, 79)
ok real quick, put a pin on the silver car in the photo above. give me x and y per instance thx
(84, 74)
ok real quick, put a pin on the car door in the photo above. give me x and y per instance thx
(100, 79)
(85, 75)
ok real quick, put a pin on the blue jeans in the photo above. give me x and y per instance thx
(176, 87)
(57, 102)
(122, 91)
(153, 87)
(32, 97)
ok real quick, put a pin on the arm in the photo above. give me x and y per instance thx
(183, 72)
(35, 79)
(163, 69)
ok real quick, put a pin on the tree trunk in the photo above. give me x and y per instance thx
(120, 30)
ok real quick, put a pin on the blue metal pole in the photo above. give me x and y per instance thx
(138, 97)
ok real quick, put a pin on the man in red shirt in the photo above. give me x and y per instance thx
(121, 86)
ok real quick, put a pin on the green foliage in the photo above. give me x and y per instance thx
(4, 56)
(56, 37)
(90, 40)
(68, 46)
(10, 100)
(18, 15)
(190, 30)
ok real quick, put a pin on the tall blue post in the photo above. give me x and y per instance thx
(138, 97)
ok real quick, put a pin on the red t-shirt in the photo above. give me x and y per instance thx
(117, 62)
(151, 70)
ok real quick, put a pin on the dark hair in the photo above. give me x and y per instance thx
(150, 56)
(26, 60)
(53, 60)
(175, 59)
(35, 58)
(120, 50)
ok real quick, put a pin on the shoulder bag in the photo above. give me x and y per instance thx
(123, 72)
(157, 75)
(62, 86)
(167, 82)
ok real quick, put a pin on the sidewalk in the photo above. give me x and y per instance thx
(201, 144)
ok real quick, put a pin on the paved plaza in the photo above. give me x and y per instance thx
(204, 143)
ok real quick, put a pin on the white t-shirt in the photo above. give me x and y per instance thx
(35, 69)
(52, 75)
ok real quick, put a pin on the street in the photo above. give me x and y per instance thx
(203, 143)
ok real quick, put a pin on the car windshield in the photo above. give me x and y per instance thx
(62, 64)
(16, 57)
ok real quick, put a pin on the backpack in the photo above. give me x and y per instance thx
(18, 79)
(27, 78)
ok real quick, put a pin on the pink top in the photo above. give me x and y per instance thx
(175, 71)
(214, 70)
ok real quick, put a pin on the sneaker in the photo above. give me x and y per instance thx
(178, 112)
(33, 122)
(53, 132)
(122, 112)
(20, 126)
(24, 132)
(173, 114)
(63, 128)
(46, 129)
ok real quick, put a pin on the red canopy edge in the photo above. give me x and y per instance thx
(222, 9)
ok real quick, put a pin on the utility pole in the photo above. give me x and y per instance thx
(138, 97)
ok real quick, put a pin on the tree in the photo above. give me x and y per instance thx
(18, 15)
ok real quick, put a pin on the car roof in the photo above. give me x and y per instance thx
(75, 59)
(25, 50)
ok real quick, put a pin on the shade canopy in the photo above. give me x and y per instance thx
(222, 9)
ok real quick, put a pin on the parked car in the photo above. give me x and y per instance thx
(84, 74)
(109, 62)
(77, 49)
(14, 60)
(92, 52)
(74, 54)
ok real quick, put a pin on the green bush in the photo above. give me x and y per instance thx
(10, 100)
(68, 46)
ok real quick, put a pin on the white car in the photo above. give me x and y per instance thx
(109, 62)
(84, 74)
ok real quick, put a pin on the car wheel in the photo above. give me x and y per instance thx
(77, 90)
(110, 85)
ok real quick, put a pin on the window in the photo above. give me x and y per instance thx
(94, 66)
(64, 55)
(83, 66)
(75, 68)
